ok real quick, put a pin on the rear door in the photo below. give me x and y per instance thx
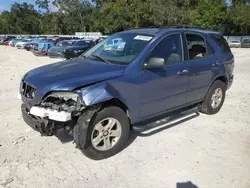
(202, 62)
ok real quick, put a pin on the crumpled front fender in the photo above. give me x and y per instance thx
(98, 93)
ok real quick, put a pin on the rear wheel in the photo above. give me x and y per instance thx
(108, 133)
(214, 99)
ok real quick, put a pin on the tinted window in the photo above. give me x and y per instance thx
(66, 43)
(221, 41)
(81, 43)
(169, 49)
(196, 46)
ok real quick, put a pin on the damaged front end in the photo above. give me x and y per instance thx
(57, 110)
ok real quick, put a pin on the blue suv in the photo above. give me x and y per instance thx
(99, 96)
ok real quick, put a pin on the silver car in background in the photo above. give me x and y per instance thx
(234, 41)
(235, 44)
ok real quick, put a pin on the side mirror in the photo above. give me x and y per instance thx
(154, 62)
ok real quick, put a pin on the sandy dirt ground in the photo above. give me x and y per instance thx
(209, 151)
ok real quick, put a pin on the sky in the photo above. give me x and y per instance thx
(5, 4)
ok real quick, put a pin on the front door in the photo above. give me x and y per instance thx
(164, 88)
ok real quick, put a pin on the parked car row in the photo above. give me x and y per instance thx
(59, 47)
(239, 41)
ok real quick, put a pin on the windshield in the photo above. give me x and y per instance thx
(65, 43)
(121, 48)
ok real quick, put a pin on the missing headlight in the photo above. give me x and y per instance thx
(60, 101)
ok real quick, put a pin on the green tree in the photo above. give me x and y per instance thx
(209, 14)
(109, 16)
(239, 19)
(22, 18)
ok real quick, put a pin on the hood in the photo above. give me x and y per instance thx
(71, 74)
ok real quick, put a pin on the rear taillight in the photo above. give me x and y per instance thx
(44, 52)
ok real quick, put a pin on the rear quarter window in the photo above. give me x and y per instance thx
(221, 41)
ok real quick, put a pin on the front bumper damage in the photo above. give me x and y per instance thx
(53, 113)
(50, 114)
(47, 121)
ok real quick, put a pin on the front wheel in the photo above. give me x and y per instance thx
(108, 133)
(214, 99)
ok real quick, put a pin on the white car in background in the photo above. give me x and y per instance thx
(22, 43)
(10, 43)
(116, 44)
(235, 44)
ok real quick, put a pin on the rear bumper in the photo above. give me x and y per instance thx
(27, 48)
(38, 53)
(69, 55)
(245, 45)
(20, 46)
(73, 54)
(56, 54)
(235, 45)
(230, 81)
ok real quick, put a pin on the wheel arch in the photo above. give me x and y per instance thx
(87, 116)
(222, 78)
(114, 102)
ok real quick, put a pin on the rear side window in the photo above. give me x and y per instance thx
(196, 46)
(221, 41)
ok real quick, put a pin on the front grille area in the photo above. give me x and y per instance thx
(27, 90)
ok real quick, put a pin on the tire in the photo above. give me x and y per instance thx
(208, 107)
(106, 114)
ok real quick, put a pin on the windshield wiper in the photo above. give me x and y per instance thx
(83, 56)
(99, 57)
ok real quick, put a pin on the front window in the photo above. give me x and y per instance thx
(120, 48)
(169, 49)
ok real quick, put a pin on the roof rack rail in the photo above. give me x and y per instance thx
(170, 26)
(183, 26)
(150, 27)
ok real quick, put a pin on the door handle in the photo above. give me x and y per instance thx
(182, 72)
(217, 63)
